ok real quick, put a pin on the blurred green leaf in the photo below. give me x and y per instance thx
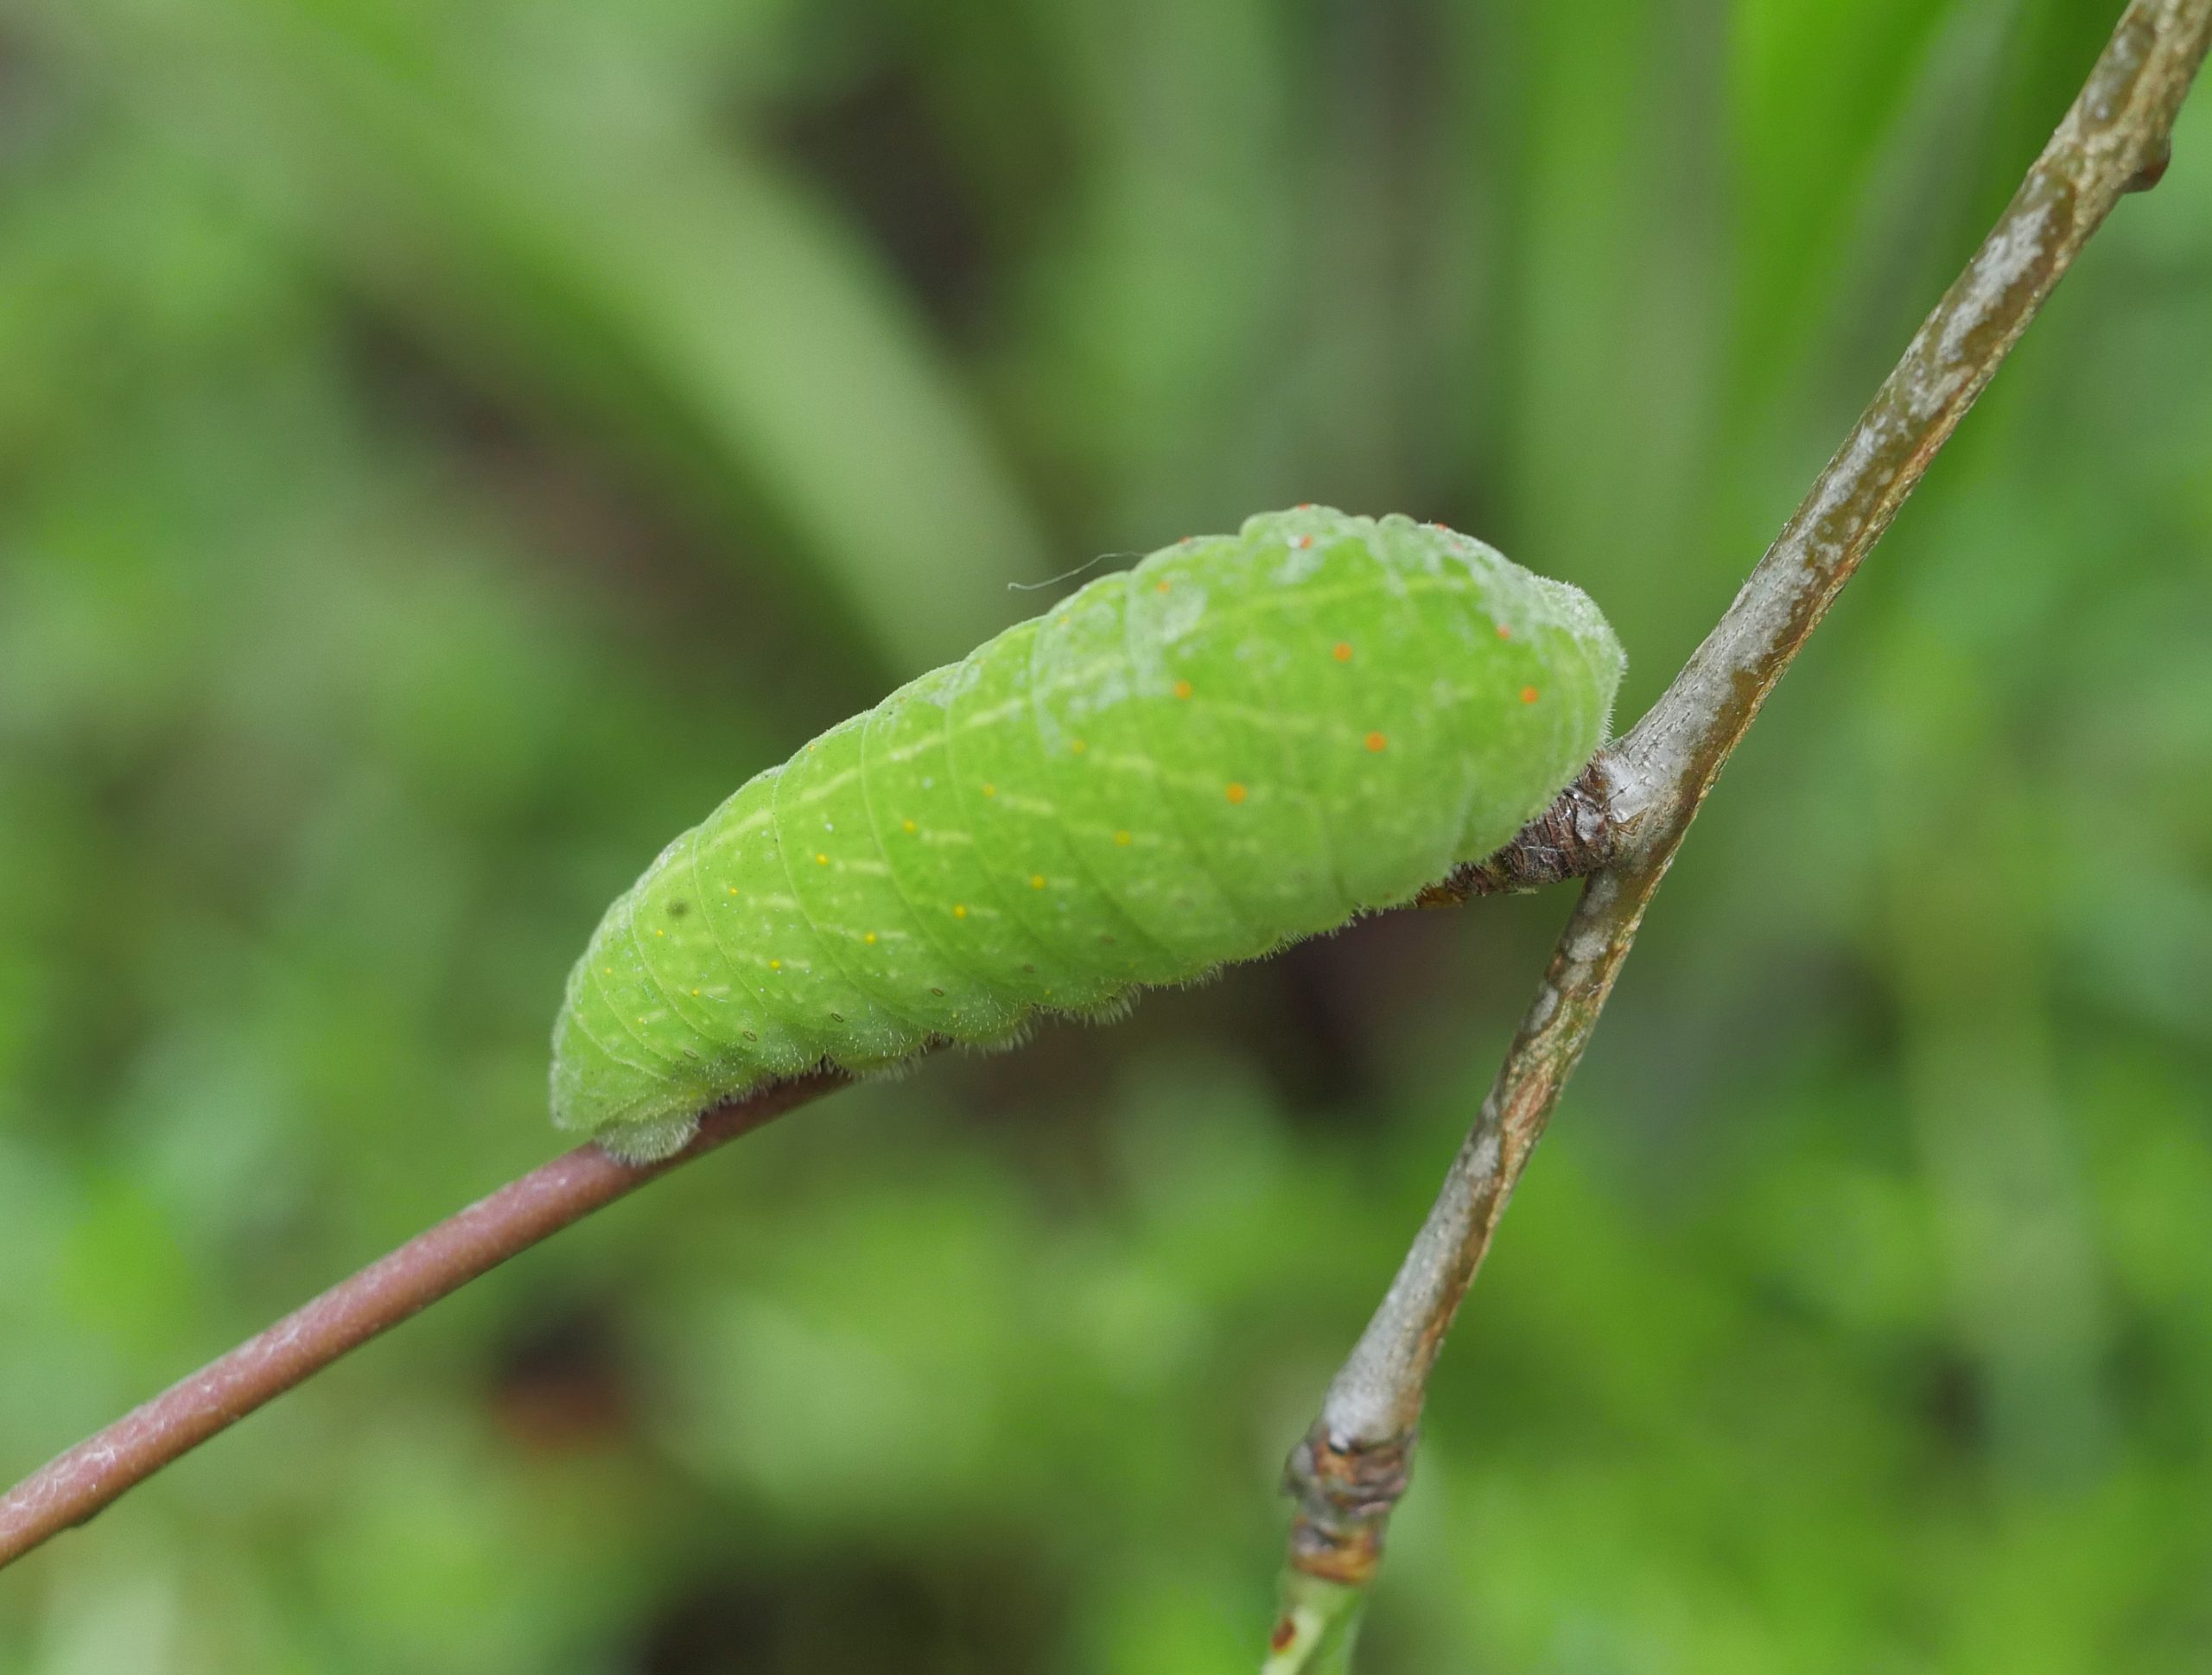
(551, 230)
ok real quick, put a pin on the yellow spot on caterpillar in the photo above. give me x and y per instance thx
(1182, 688)
(658, 932)
(695, 991)
(910, 825)
(960, 909)
(1234, 791)
(775, 965)
(1343, 652)
(821, 859)
(732, 889)
(1528, 694)
(1376, 741)
(989, 790)
(1036, 880)
(607, 971)
(870, 938)
(1122, 838)
(1161, 587)
(1078, 746)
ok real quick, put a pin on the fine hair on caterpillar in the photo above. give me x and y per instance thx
(1242, 741)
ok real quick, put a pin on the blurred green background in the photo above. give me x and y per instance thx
(445, 447)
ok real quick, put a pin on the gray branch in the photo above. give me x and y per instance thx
(1627, 816)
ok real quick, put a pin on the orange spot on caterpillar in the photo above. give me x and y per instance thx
(1503, 632)
(1122, 838)
(1161, 587)
(960, 909)
(1306, 505)
(1182, 688)
(1303, 542)
(1285, 1633)
(1528, 694)
(1234, 790)
(1376, 741)
(1342, 652)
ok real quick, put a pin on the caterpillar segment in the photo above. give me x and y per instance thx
(1118, 817)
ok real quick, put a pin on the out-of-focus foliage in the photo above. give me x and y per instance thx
(443, 447)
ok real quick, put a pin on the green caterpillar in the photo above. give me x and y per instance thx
(1243, 740)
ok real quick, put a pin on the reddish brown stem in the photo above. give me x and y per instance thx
(71, 1488)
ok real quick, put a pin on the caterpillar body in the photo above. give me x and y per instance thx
(1243, 740)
